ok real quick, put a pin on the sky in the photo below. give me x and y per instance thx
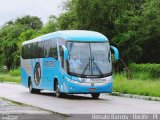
(11, 9)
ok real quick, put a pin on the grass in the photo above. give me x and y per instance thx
(6, 77)
(15, 72)
(11, 76)
(139, 86)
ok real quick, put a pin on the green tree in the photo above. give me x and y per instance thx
(9, 37)
(149, 32)
(12, 34)
(67, 21)
(127, 27)
(50, 26)
(30, 21)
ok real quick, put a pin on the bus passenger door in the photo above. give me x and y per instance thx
(63, 65)
(63, 61)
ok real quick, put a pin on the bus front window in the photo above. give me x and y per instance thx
(89, 59)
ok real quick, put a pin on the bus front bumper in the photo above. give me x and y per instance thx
(86, 88)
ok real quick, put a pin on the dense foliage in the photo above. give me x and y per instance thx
(153, 70)
(13, 33)
(133, 26)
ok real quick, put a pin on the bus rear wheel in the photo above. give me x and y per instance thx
(32, 90)
(95, 95)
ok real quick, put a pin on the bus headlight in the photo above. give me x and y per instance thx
(109, 80)
(72, 81)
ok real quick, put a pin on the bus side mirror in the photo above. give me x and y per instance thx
(116, 52)
(66, 56)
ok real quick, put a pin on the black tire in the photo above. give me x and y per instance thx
(32, 90)
(95, 95)
(58, 93)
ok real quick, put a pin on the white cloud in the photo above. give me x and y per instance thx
(11, 9)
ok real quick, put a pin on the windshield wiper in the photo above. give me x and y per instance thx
(87, 65)
(98, 68)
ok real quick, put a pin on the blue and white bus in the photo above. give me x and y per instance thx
(68, 62)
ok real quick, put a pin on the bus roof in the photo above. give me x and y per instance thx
(72, 35)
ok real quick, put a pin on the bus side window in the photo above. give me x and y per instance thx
(29, 53)
(23, 52)
(31, 49)
(53, 49)
(61, 41)
(61, 56)
(40, 50)
(36, 52)
(46, 48)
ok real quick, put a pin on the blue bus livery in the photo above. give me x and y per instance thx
(68, 62)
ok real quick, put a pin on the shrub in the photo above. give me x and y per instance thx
(1, 68)
(15, 72)
(147, 70)
(136, 86)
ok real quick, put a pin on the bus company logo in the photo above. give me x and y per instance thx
(37, 73)
(83, 80)
(49, 64)
(92, 84)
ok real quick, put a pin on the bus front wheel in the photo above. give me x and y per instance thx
(95, 95)
(58, 93)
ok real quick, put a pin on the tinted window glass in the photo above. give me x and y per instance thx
(28, 50)
(53, 48)
(46, 48)
(23, 52)
(62, 56)
(31, 49)
(40, 50)
(61, 41)
(36, 52)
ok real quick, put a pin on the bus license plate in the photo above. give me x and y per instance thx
(94, 80)
(92, 89)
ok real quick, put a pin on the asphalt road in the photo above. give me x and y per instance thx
(10, 110)
(79, 104)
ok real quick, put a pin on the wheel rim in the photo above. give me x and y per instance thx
(30, 87)
(57, 90)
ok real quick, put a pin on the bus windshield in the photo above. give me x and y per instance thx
(89, 59)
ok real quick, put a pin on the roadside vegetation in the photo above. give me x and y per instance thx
(140, 79)
(11, 76)
(139, 86)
